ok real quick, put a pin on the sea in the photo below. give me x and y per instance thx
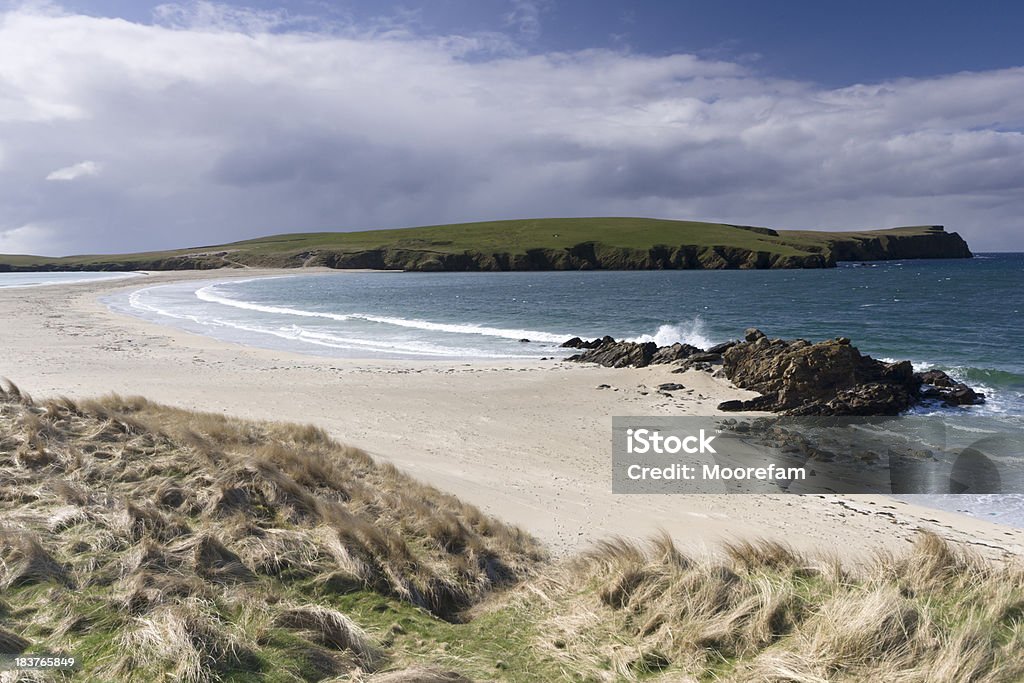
(964, 316)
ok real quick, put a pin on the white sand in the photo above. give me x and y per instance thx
(529, 442)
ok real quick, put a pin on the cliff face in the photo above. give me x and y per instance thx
(762, 248)
(930, 242)
(587, 256)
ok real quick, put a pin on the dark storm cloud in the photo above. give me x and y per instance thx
(225, 124)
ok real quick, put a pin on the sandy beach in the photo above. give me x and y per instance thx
(526, 441)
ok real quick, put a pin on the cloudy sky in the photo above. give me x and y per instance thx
(127, 125)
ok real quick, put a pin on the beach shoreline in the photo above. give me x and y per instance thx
(526, 441)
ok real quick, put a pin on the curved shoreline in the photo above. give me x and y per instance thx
(306, 342)
(526, 441)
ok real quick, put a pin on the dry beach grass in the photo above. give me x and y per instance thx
(760, 612)
(153, 540)
(164, 544)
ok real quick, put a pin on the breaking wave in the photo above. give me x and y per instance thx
(209, 295)
(692, 332)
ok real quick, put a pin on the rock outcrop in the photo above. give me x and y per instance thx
(940, 386)
(794, 377)
(623, 354)
(827, 378)
(831, 378)
(577, 343)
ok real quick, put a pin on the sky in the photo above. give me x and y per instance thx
(128, 126)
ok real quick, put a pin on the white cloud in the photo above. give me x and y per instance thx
(74, 171)
(26, 239)
(221, 124)
(204, 15)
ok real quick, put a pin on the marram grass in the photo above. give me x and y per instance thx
(159, 544)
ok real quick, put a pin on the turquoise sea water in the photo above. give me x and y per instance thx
(965, 316)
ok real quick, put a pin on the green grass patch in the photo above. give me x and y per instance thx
(619, 242)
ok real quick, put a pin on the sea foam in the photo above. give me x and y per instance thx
(691, 332)
(209, 295)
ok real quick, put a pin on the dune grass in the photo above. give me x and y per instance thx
(160, 544)
(761, 612)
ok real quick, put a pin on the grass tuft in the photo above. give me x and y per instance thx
(163, 544)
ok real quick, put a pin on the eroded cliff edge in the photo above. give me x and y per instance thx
(618, 244)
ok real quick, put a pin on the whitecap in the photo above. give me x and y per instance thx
(691, 332)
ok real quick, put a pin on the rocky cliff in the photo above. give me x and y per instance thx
(586, 256)
(927, 243)
(654, 245)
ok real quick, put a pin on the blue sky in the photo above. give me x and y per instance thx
(133, 125)
(832, 43)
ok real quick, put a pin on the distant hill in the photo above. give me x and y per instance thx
(539, 244)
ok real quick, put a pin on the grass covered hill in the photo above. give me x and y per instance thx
(539, 244)
(159, 544)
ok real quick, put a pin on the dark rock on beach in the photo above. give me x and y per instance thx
(937, 378)
(752, 334)
(674, 353)
(577, 343)
(723, 347)
(622, 354)
(830, 378)
(938, 386)
(797, 377)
